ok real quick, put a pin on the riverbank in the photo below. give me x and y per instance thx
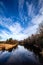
(5, 46)
(10, 46)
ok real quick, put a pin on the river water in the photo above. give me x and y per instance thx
(18, 56)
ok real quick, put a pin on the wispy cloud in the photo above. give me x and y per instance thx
(3, 9)
(30, 9)
(17, 31)
(40, 3)
(20, 8)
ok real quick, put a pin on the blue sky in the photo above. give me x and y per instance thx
(20, 18)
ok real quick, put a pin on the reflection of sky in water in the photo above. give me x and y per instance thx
(4, 56)
(18, 55)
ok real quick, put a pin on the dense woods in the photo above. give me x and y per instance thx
(35, 39)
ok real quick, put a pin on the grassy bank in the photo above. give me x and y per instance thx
(5, 46)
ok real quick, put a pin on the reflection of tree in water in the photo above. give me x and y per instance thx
(40, 58)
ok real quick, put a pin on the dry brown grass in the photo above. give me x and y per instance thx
(7, 46)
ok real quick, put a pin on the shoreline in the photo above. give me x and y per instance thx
(5, 46)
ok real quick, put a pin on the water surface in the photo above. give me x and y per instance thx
(18, 56)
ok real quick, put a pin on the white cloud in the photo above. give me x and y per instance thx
(21, 3)
(30, 9)
(21, 10)
(4, 35)
(37, 19)
(17, 31)
(2, 9)
(15, 28)
(41, 11)
(30, 30)
(40, 3)
(6, 22)
(20, 7)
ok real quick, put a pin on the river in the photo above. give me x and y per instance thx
(19, 56)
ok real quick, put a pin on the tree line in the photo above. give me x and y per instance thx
(34, 39)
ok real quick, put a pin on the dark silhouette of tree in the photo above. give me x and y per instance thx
(10, 39)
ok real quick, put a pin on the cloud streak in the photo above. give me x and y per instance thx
(14, 29)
